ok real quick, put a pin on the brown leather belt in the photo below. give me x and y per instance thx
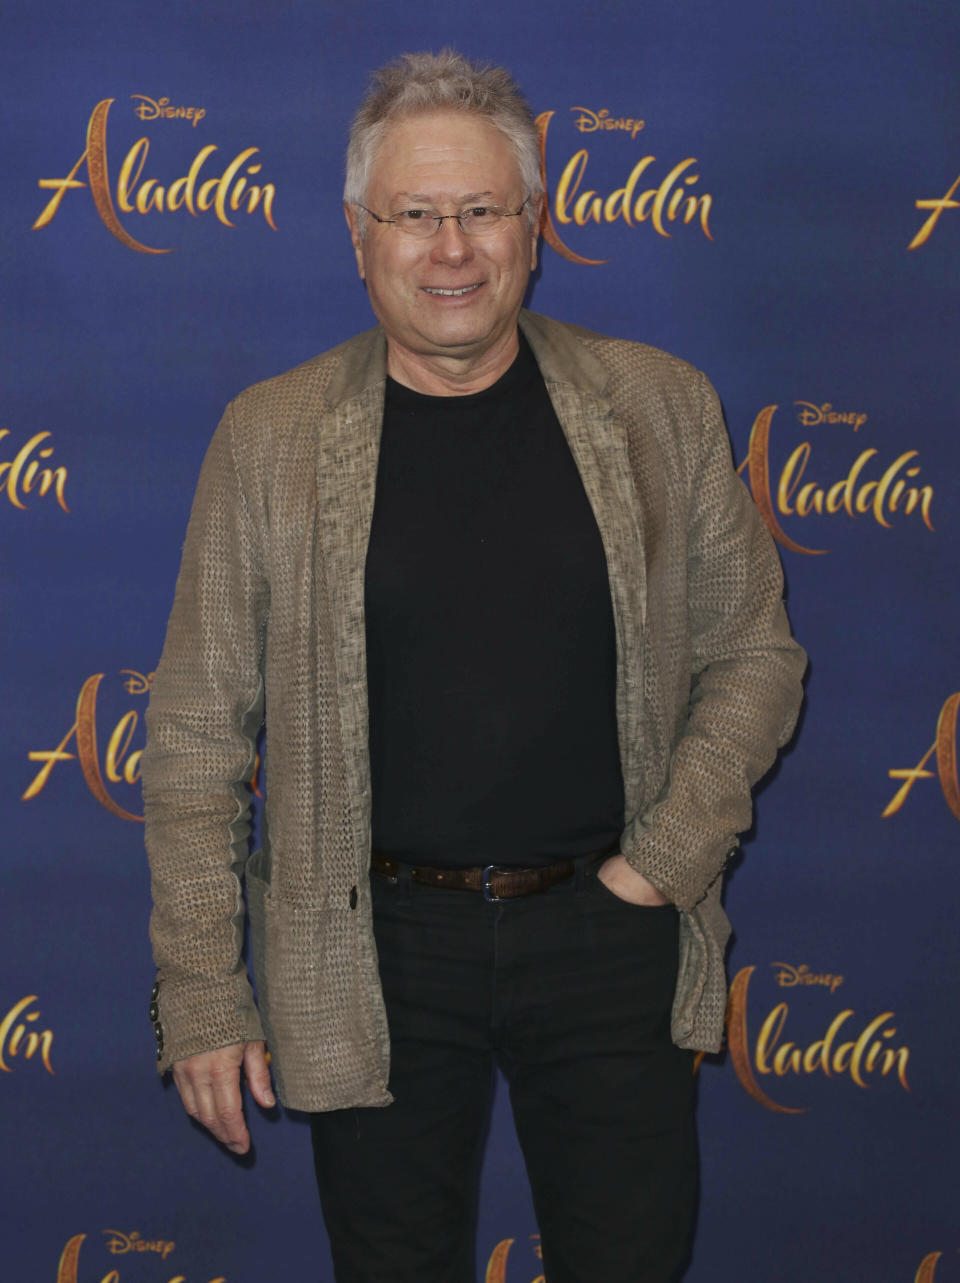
(493, 880)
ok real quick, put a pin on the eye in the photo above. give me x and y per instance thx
(480, 211)
(413, 215)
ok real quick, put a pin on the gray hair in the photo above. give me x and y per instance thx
(417, 83)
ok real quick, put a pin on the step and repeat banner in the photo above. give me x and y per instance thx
(771, 192)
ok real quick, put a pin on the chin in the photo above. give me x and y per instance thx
(452, 338)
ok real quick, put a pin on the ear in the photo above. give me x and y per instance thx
(352, 214)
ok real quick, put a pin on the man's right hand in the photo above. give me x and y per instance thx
(209, 1086)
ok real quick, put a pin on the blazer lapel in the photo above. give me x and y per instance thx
(347, 456)
(599, 444)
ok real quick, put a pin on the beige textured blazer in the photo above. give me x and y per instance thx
(268, 622)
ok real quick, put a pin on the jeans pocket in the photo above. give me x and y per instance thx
(603, 893)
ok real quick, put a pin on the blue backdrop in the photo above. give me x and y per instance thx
(771, 192)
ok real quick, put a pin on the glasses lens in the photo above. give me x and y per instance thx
(417, 222)
(475, 221)
(480, 219)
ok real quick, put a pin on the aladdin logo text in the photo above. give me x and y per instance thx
(228, 193)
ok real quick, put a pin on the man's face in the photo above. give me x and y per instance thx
(445, 161)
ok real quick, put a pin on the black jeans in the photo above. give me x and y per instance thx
(569, 992)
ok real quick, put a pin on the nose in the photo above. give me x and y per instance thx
(449, 245)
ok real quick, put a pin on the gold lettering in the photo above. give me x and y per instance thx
(266, 193)
(738, 1043)
(817, 1055)
(119, 765)
(786, 1060)
(757, 464)
(795, 496)
(946, 743)
(663, 191)
(937, 207)
(810, 415)
(206, 196)
(19, 476)
(49, 758)
(127, 179)
(788, 976)
(220, 203)
(144, 197)
(12, 1034)
(118, 1244)
(147, 197)
(237, 193)
(87, 748)
(702, 203)
(67, 1268)
(927, 1268)
(860, 1047)
(117, 749)
(884, 485)
(97, 172)
(945, 747)
(148, 109)
(190, 182)
(619, 204)
(547, 227)
(497, 1265)
(660, 205)
(769, 1034)
(61, 186)
(569, 183)
(587, 209)
(868, 1053)
(589, 122)
(909, 777)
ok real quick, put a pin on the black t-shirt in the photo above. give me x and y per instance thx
(491, 653)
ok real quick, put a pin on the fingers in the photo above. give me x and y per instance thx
(209, 1086)
(257, 1074)
(624, 881)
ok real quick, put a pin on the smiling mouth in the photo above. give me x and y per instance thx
(465, 289)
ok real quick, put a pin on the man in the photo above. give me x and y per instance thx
(518, 633)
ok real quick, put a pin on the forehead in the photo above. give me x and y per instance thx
(444, 155)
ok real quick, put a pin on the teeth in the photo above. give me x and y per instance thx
(451, 293)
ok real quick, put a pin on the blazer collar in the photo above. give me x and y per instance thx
(562, 358)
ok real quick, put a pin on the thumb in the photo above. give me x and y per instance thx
(258, 1075)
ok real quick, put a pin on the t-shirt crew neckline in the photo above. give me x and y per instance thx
(521, 372)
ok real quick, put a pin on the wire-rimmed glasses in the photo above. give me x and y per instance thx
(475, 220)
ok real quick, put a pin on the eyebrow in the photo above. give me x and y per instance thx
(428, 200)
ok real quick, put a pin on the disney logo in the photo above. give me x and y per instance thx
(589, 122)
(162, 109)
(810, 415)
(137, 683)
(788, 976)
(119, 1243)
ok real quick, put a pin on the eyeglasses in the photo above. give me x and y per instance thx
(478, 220)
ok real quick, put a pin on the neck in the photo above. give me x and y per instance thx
(435, 375)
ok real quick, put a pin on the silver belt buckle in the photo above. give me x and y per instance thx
(485, 884)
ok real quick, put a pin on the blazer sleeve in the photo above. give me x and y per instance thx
(745, 689)
(205, 711)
